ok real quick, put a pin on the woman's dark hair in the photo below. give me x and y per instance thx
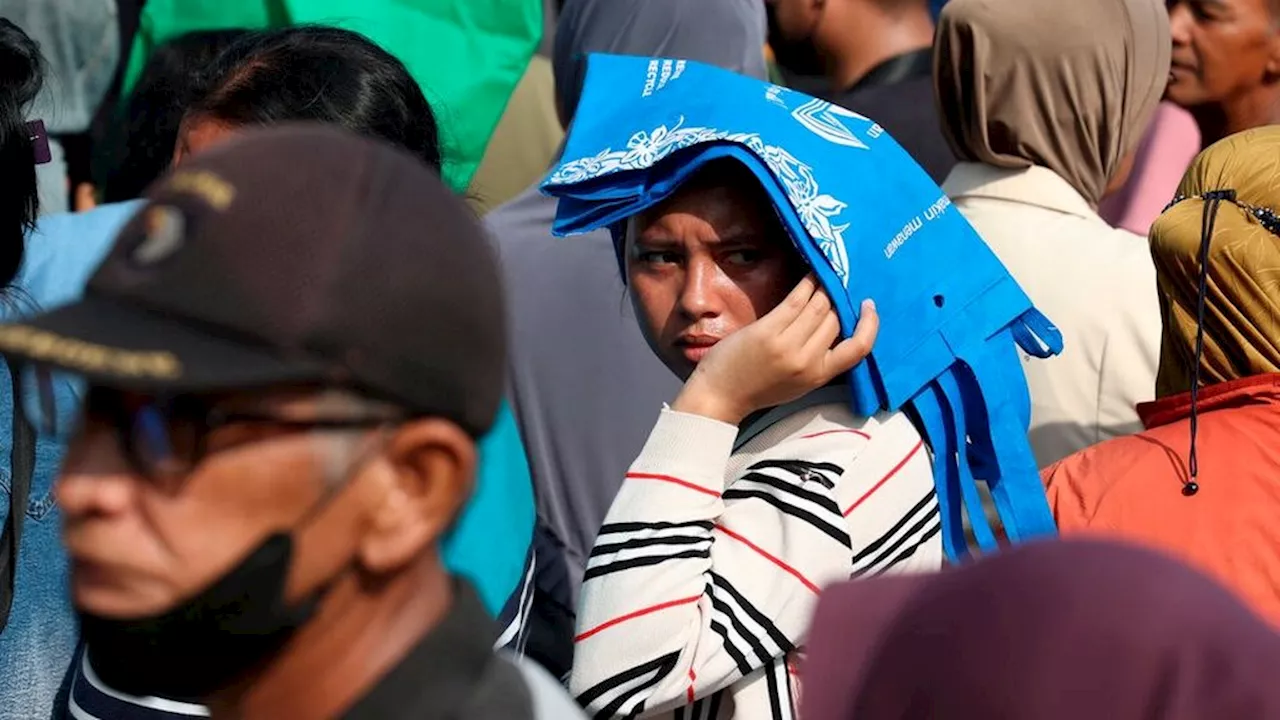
(173, 78)
(21, 75)
(321, 74)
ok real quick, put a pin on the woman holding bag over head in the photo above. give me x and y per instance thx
(751, 222)
(757, 486)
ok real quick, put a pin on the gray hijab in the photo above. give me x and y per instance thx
(726, 33)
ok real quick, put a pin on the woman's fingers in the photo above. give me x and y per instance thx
(850, 352)
(810, 318)
(826, 334)
(781, 317)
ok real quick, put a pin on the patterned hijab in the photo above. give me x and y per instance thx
(1232, 191)
(1070, 86)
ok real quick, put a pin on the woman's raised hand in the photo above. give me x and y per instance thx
(784, 355)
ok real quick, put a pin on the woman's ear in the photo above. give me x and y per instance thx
(432, 465)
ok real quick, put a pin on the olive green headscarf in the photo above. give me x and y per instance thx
(1242, 296)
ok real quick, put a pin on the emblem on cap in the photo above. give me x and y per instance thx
(165, 227)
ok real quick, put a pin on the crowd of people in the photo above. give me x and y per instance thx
(706, 360)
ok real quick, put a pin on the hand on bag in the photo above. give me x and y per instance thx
(784, 355)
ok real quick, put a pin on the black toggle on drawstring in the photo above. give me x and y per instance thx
(1210, 215)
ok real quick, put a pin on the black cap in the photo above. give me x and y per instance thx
(296, 254)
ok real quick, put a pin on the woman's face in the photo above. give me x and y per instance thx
(1222, 49)
(705, 263)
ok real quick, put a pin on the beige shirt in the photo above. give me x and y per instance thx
(1096, 283)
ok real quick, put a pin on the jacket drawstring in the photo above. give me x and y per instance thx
(1211, 199)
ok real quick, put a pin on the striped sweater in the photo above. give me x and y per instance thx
(702, 581)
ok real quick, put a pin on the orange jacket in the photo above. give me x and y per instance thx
(1132, 486)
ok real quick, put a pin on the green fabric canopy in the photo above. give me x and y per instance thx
(468, 55)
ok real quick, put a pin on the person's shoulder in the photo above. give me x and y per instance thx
(833, 426)
(1127, 276)
(1096, 237)
(1128, 245)
(534, 258)
(550, 699)
(65, 248)
(1102, 258)
(1133, 265)
(1116, 251)
(529, 213)
(1078, 483)
(104, 219)
(889, 98)
(839, 418)
(82, 236)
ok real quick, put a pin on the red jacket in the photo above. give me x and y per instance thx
(1132, 486)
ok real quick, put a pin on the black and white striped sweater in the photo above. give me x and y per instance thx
(699, 591)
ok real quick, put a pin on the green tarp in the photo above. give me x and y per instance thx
(467, 55)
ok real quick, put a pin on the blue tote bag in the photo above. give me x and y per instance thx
(871, 224)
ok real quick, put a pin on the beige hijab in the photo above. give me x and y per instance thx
(1069, 85)
(1242, 302)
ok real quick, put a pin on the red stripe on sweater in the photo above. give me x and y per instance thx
(885, 479)
(850, 431)
(764, 554)
(672, 480)
(693, 678)
(633, 615)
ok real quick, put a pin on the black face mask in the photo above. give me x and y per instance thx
(795, 57)
(207, 642)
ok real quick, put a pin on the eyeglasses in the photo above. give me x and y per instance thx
(165, 440)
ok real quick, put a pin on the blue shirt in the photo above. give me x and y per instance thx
(37, 644)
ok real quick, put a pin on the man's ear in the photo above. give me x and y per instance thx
(431, 465)
(180, 149)
(1273, 54)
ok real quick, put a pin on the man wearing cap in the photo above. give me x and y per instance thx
(290, 351)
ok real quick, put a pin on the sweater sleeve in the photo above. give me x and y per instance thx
(693, 582)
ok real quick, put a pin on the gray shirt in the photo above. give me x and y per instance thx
(585, 386)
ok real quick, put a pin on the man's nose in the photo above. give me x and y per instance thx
(95, 479)
(80, 495)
